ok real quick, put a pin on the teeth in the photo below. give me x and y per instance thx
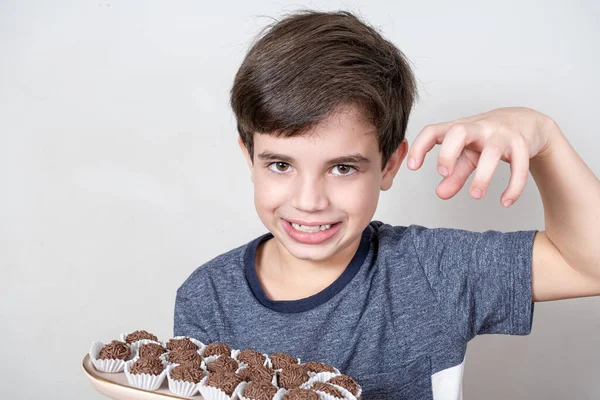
(304, 228)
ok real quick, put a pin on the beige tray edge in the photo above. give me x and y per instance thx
(102, 384)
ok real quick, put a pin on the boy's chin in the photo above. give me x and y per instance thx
(311, 252)
(314, 255)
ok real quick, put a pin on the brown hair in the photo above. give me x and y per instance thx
(307, 65)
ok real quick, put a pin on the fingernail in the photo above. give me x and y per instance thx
(507, 203)
(443, 171)
(412, 164)
(476, 193)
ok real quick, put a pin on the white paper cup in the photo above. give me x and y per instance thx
(144, 381)
(213, 393)
(181, 388)
(109, 366)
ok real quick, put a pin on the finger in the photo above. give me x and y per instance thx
(519, 172)
(466, 164)
(488, 162)
(452, 147)
(424, 142)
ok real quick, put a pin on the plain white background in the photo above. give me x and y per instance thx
(120, 172)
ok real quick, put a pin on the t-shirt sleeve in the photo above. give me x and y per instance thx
(188, 318)
(482, 280)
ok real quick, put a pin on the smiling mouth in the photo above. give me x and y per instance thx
(311, 228)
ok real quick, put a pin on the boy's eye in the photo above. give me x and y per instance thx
(344, 169)
(279, 166)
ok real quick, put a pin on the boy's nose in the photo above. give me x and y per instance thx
(310, 195)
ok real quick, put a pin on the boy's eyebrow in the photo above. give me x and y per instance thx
(351, 158)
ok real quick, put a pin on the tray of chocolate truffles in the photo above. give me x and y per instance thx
(139, 366)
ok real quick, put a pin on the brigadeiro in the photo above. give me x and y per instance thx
(251, 357)
(300, 394)
(150, 366)
(293, 376)
(225, 382)
(145, 373)
(183, 343)
(115, 350)
(347, 383)
(223, 363)
(187, 373)
(140, 335)
(111, 358)
(315, 366)
(185, 357)
(257, 373)
(280, 360)
(152, 350)
(184, 379)
(216, 349)
(259, 391)
(326, 388)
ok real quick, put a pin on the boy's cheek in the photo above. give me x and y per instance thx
(353, 197)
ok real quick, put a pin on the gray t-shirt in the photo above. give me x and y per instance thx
(398, 319)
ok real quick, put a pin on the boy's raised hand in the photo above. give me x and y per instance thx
(478, 143)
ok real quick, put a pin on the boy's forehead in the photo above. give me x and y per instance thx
(350, 147)
(343, 133)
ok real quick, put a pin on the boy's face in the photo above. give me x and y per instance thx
(310, 179)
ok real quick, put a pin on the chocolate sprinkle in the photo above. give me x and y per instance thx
(257, 373)
(292, 377)
(259, 391)
(185, 357)
(217, 349)
(281, 360)
(346, 382)
(140, 335)
(301, 394)
(315, 366)
(151, 350)
(181, 344)
(251, 357)
(187, 373)
(226, 381)
(223, 363)
(152, 366)
(115, 350)
(327, 388)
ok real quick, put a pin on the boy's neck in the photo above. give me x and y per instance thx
(284, 277)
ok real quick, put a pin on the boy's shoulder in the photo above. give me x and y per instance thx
(224, 268)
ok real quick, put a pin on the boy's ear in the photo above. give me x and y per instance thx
(393, 165)
(247, 157)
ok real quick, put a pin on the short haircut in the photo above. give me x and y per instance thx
(307, 65)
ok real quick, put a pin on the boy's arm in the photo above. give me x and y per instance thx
(566, 257)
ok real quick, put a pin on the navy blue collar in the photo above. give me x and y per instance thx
(308, 303)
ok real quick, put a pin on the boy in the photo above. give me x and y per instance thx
(322, 103)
